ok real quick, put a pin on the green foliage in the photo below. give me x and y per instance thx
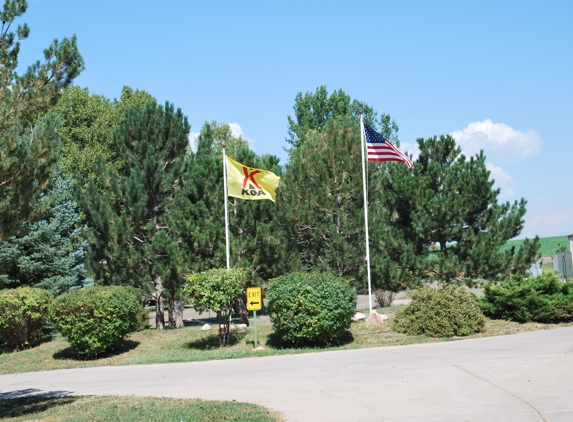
(23, 314)
(52, 254)
(142, 320)
(29, 145)
(443, 312)
(215, 290)
(449, 201)
(313, 110)
(321, 200)
(219, 134)
(310, 308)
(88, 124)
(541, 299)
(96, 319)
(323, 187)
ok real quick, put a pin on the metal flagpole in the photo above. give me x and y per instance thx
(227, 247)
(362, 147)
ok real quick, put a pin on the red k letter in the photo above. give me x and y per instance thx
(250, 176)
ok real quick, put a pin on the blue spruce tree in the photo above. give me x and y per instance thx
(52, 254)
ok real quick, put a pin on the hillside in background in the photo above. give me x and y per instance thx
(549, 245)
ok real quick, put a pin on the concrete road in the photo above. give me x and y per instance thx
(525, 377)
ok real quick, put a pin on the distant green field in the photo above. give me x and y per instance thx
(549, 245)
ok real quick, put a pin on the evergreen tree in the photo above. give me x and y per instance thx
(52, 254)
(130, 234)
(255, 240)
(323, 188)
(29, 146)
(324, 217)
(449, 201)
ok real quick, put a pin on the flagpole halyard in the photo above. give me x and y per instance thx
(227, 243)
(362, 147)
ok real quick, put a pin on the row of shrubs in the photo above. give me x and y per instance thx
(92, 319)
(311, 309)
(315, 309)
(452, 311)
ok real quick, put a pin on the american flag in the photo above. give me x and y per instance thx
(380, 148)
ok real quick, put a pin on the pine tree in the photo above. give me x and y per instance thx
(324, 193)
(449, 201)
(29, 146)
(52, 254)
(323, 189)
(255, 240)
(130, 234)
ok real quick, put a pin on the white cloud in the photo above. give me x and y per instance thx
(503, 180)
(237, 131)
(498, 140)
(193, 140)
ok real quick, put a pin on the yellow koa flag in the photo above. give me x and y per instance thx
(250, 183)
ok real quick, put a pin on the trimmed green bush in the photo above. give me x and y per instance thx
(310, 309)
(215, 290)
(540, 299)
(23, 314)
(446, 311)
(96, 319)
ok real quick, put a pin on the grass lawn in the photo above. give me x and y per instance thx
(547, 268)
(191, 344)
(130, 409)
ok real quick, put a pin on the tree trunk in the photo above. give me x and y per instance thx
(170, 320)
(224, 326)
(159, 314)
(241, 309)
(176, 308)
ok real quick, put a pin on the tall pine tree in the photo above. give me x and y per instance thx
(130, 234)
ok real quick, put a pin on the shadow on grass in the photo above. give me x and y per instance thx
(275, 341)
(13, 405)
(211, 342)
(69, 353)
(35, 343)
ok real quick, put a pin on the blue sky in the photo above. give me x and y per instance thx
(498, 75)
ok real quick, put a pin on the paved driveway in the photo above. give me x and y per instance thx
(525, 377)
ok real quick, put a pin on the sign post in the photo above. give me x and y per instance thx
(254, 303)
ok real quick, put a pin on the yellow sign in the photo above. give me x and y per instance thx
(254, 299)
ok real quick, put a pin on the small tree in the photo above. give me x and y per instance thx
(216, 290)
